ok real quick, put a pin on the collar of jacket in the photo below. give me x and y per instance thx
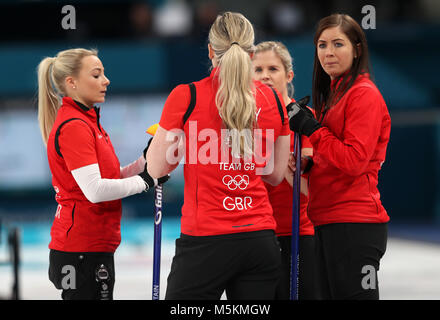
(214, 77)
(214, 72)
(337, 81)
(90, 112)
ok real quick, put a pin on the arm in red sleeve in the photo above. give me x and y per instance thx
(175, 107)
(171, 120)
(77, 145)
(362, 125)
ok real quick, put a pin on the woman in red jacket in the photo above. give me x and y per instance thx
(227, 240)
(349, 143)
(86, 175)
(273, 66)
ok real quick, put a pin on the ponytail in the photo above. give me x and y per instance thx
(235, 98)
(48, 99)
(232, 39)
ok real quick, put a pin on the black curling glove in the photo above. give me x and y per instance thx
(150, 181)
(301, 119)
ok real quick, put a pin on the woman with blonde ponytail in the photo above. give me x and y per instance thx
(48, 100)
(86, 175)
(236, 137)
(235, 95)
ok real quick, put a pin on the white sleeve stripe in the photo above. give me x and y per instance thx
(96, 189)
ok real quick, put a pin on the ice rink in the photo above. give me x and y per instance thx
(410, 270)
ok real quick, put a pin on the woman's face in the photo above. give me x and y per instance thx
(269, 69)
(91, 83)
(335, 52)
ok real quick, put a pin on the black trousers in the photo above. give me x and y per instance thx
(245, 265)
(348, 258)
(307, 286)
(82, 275)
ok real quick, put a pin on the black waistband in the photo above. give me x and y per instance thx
(89, 253)
(230, 236)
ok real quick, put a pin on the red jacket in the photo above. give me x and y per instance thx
(281, 199)
(79, 225)
(348, 153)
(220, 197)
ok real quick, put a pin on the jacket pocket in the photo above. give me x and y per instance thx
(73, 220)
(374, 192)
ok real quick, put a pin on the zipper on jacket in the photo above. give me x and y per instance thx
(73, 215)
(97, 119)
(323, 115)
(371, 195)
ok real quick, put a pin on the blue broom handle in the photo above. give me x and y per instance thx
(295, 220)
(157, 241)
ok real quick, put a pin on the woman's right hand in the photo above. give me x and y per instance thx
(150, 181)
(291, 166)
(292, 162)
(290, 170)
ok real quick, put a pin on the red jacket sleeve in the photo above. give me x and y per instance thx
(175, 107)
(77, 145)
(362, 126)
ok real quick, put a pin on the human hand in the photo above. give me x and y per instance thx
(290, 170)
(301, 119)
(150, 181)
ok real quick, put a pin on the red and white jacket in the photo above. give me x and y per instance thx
(220, 197)
(348, 152)
(77, 140)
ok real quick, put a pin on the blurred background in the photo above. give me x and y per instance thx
(149, 47)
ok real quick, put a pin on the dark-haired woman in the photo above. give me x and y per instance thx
(349, 138)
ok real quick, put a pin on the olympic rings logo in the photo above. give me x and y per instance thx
(238, 181)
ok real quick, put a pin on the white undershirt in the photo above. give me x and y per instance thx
(97, 189)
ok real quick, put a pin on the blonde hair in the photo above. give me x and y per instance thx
(52, 71)
(283, 53)
(232, 39)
